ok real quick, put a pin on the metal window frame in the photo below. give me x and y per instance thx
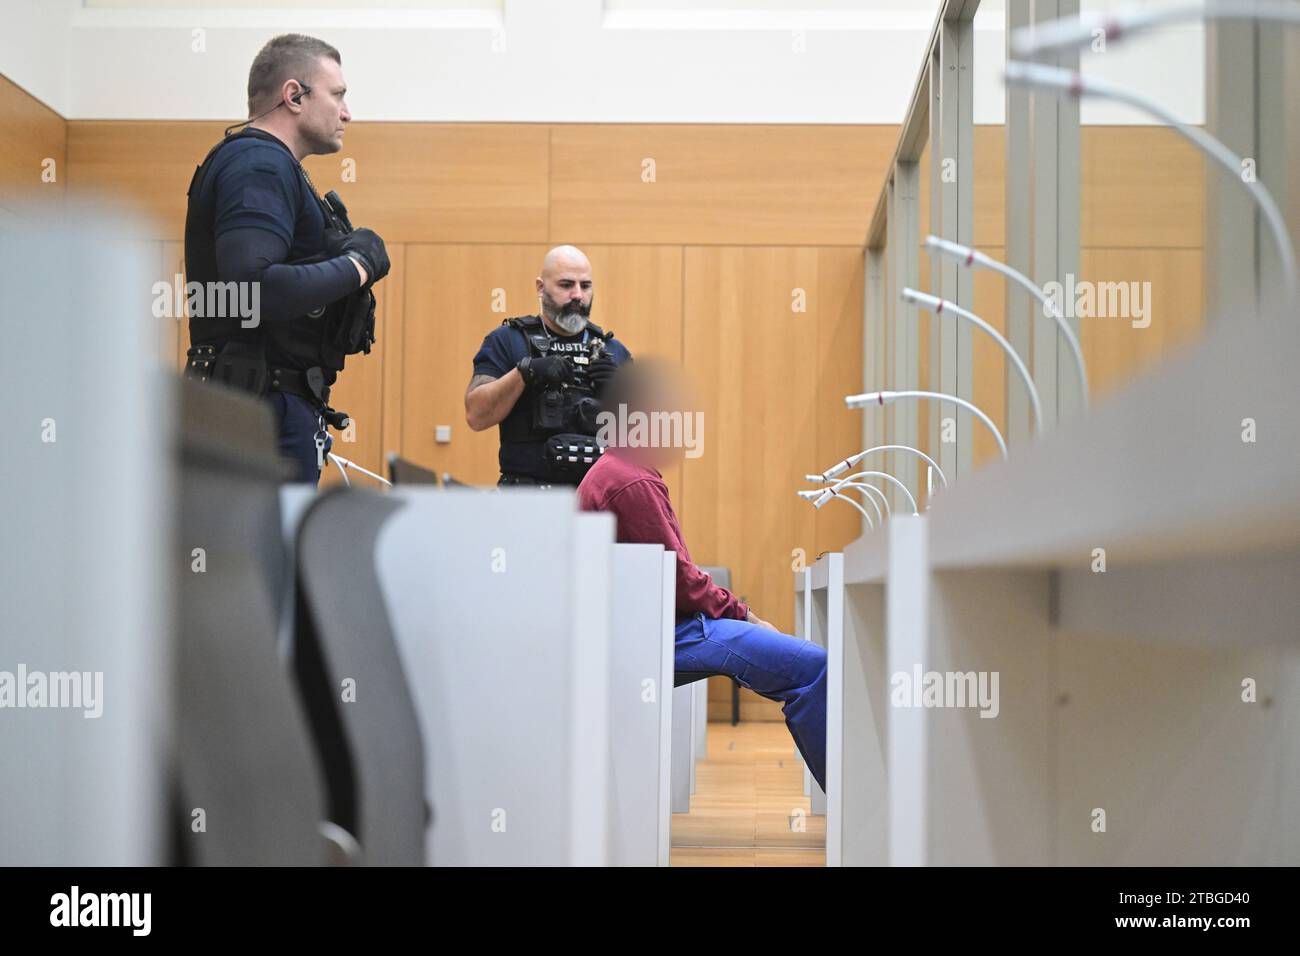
(1251, 111)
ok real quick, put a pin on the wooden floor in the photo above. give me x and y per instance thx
(749, 808)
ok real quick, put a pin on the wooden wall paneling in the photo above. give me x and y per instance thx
(717, 356)
(414, 182)
(638, 295)
(449, 291)
(838, 317)
(442, 182)
(1117, 351)
(176, 330)
(139, 168)
(724, 184)
(768, 375)
(30, 133)
(1140, 187)
(990, 165)
(990, 372)
(392, 303)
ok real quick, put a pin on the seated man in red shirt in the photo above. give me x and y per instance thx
(715, 631)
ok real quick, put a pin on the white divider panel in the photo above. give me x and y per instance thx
(87, 559)
(819, 615)
(496, 601)
(864, 723)
(683, 758)
(906, 630)
(701, 689)
(803, 629)
(640, 705)
(590, 818)
(666, 712)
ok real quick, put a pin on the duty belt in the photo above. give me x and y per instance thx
(298, 383)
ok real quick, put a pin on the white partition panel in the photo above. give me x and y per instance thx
(86, 565)
(682, 747)
(493, 599)
(666, 713)
(640, 703)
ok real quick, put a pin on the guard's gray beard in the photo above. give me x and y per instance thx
(570, 323)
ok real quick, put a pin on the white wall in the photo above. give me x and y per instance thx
(34, 47)
(848, 61)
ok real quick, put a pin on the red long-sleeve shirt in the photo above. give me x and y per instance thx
(638, 499)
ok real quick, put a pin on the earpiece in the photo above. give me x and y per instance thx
(296, 99)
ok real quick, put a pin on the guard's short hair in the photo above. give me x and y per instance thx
(290, 56)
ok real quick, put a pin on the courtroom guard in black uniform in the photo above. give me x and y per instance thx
(540, 378)
(254, 219)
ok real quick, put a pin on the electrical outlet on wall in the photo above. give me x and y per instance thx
(442, 434)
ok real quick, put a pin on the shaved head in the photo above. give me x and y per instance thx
(565, 289)
(563, 258)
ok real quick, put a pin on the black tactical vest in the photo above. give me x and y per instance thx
(321, 339)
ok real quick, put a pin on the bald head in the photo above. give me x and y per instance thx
(565, 289)
(565, 258)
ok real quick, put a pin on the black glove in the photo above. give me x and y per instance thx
(365, 246)
(546, 371)
(599, 372)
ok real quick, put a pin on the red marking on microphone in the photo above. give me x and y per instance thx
(970, 257)
(1076, 84)
(940, 308)
(880, 396)
(1112, 29)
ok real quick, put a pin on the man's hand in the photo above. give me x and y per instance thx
(755, 619)
(599, 372)
(546, 371)
(366, 249)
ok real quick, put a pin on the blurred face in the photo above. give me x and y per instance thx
(565, 292)
(324, 113)
(666, 403)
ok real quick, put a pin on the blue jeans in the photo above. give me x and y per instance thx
(297, 424)
(776, 666)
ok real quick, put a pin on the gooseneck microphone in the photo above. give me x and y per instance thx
(836, 470)
(828, 494)
(344, 465)
(875, 474)
(938, 306)
(1073, 32)
(968, 257)
(1067, 82)
(888, 398)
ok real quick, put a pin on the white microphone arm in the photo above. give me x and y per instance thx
(870, 499)
(876, 474)
(968, 257)
(888, 398)
(827, 495)
(875, 493)
(344, 464)
(937, 305)
(1060, 81)
(1074, 32)
(836, 470)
